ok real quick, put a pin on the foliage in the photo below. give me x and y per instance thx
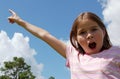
(16, 69)
(51, 77)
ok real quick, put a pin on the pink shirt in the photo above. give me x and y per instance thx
(103, 65)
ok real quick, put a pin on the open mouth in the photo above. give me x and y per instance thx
(92, 45)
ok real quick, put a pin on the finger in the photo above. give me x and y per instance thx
(12, 12)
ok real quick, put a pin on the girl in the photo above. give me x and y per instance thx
(90, 54)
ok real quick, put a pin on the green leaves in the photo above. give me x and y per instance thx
(51, 77)
(16, 69)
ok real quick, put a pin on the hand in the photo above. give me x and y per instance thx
(14, 17)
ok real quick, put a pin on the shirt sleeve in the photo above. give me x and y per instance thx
(68, 52)
(117, 56)
(117, 60)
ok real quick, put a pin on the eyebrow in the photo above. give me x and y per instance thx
(80, 30)
(94, 26)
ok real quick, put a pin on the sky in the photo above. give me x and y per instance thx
(56, 17)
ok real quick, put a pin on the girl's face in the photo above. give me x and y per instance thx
(90, 36)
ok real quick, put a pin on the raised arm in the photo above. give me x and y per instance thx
(56, 44)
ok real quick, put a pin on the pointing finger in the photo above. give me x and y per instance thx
(12, 12)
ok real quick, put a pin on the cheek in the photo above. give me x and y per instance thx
(99, 39)
(81, 40)
(100, 36)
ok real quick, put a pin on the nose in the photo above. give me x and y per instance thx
(89, 35)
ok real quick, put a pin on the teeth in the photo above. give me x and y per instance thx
(92, 45)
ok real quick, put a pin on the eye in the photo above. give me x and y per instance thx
(94, 29)
(82, 33)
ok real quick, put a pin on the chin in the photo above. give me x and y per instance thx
(92, 52)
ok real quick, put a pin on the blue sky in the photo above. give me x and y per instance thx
(56, 16)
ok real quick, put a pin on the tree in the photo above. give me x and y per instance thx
(51, 77)
(16, 69)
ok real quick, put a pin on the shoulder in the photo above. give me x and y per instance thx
(70, 48)
(114, 49)
(111, 52)
(71, 51)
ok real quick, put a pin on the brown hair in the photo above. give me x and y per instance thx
(94, 17)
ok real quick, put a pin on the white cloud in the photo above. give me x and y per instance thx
(111, 13)
(19, 46)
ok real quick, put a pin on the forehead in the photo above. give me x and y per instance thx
(87, 23)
